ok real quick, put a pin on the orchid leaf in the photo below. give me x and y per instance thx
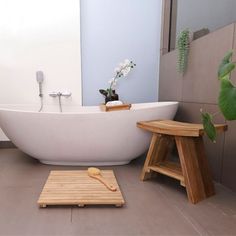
(209, 128)
(103, 92)
(227, 99)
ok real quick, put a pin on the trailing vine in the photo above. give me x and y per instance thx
(183, 46)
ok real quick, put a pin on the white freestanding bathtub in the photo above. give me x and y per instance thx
(82, 135)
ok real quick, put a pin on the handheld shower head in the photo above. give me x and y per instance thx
(39, 77)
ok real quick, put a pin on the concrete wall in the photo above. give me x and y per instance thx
(113, 31)
(199, 89)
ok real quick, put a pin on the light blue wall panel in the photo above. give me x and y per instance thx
(113, 30)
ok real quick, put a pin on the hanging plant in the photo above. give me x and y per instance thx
(226, 99)
(183, 46)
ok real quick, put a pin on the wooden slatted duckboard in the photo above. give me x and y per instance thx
(77, 188)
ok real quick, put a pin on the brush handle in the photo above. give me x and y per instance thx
(103, 181)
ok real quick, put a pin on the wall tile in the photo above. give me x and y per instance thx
(190, 112)
(170, 83)
(229, 160)
(200, 82)
(214, 151)
(233, 75)
(199, 89)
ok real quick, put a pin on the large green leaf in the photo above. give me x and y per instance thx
(228, 57)
(226, 60)
(225, 70)
(209, 128)
(227, 99)
(227, 96)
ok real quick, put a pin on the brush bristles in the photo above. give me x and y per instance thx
(93, 171)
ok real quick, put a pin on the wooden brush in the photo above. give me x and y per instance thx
(96, 174)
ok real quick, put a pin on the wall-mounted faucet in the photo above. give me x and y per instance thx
(40, 79)
(59, 95)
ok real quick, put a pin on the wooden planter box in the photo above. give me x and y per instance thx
(105, 108)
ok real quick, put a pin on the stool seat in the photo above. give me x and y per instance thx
(171, 127)
(192, 170)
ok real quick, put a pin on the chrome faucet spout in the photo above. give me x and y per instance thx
(59, 95)
(66, 94)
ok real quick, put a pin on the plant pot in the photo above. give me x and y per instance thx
(113, 97)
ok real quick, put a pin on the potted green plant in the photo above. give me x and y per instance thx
(226, 99)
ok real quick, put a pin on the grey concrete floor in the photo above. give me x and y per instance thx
(155, 207)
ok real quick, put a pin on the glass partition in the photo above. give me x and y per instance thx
(200, 17)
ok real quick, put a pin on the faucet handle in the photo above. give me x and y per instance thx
(66, 94)
(53, 94)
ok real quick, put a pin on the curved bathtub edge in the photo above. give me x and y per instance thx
(62, 163)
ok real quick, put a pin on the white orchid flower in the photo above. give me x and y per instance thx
(121, 65)
(122, 70)
(127, 62)
(126, 71)
(117, 69)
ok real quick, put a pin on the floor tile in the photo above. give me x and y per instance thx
(155, 207)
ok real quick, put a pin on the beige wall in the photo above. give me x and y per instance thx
(199, 88)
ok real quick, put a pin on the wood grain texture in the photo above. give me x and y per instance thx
(205, 169)
(193, 171)
(194, 180)
(105, 108)
(146, 174)
(170, 169)
(176, 128)
(103, 181)
(77, 188)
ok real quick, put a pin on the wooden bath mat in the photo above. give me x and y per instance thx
(77, 188)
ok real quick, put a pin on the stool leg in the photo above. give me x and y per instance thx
(204, 168)
(163, 148)
(146, 173)
(158, 151)
(195, 168)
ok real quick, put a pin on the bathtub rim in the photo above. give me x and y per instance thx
(140, 106)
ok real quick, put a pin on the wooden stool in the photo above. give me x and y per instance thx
(193, 171)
